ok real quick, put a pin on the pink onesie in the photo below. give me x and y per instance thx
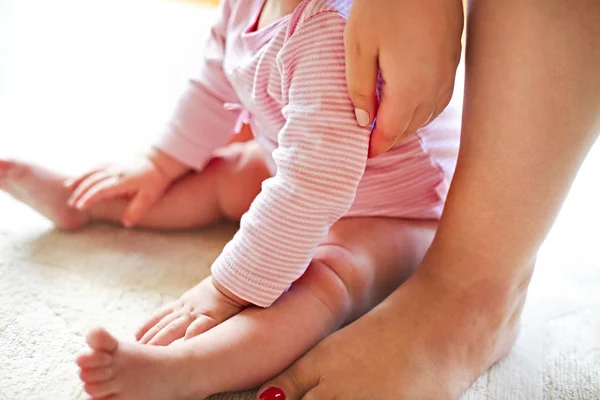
(287, 81)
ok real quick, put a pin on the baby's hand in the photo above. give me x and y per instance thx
(199, 309)
(144, 182)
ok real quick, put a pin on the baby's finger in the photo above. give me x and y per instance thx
(107, 189)
(153, 321)
(172, 331)
(138, 207)
(200, 325)
(74, 182)
(159, 326)
(85, 186)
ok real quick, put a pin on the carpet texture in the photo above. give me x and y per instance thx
(99, 77)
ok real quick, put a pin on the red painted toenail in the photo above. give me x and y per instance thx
(272, 394)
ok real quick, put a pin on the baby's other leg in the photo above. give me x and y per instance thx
(223, 191)
(351, 272)
(42, 190)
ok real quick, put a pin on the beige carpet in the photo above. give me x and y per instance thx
(99, 77)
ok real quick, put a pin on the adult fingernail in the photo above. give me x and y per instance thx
(362, 117)
(272, 393)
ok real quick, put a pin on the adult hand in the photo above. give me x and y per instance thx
(416, 44)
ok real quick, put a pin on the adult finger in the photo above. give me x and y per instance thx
(420, 117)
(361, 75)
(393, 116)
(441, 104)
(294, 383)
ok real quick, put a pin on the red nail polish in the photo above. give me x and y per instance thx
(272, 394)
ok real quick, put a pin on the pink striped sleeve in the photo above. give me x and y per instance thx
(320, 160)
(200, 123)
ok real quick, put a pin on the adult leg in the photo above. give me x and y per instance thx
(532, 110)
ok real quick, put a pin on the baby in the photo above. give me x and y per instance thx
(325, 233)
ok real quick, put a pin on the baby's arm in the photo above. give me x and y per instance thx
(200, 125)
(321, 158)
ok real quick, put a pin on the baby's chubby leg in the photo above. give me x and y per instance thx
(351, 272)
(224, 190)
(42, 190)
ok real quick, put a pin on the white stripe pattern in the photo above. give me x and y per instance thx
(290, 77)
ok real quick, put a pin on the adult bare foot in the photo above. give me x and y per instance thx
(131, 371)
(42, 190)
(420, 343)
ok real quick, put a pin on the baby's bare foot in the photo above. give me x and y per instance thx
(42, 190)
(131, 371)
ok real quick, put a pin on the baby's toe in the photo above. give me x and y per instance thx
(96, 375)
(6, 165)
(99, 339)
(101, 389)
(94, 359)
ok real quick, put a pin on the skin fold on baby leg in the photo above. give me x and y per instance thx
(349, 275)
